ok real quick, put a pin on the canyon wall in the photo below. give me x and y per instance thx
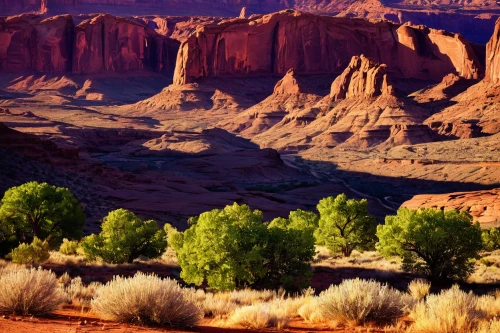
(493, 56)
(272, 44)
(29, 43)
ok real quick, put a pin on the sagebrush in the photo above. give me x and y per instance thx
(146, 299)
(29, 292)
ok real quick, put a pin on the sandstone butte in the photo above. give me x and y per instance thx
(99, 43)
(272, 44)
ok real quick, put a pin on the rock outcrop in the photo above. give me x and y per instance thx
(101, 43)
(363, 79)
(292, 93)
(362, 110)
(475, 111)
(493, 56)
(484, 206)
(28, 42)
(274, 43)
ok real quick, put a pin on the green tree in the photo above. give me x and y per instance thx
(345, 225)
(222, 247)
(491, 239)
(35, 253)
(40, 210)
(437, 243)
(125, 237)
(288, 251)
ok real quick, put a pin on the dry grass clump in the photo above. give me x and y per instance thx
(357, 301)
(146, 299)
(419, 289)
(310, 311)
(217, 308)
(29, 292)
(80, 294)
(490, 305)
(260, 316)
(452, 311)
(247, 296)
(492, 326)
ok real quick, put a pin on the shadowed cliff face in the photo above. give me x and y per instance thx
(102, 43)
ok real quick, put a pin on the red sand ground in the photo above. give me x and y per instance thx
(69, 320)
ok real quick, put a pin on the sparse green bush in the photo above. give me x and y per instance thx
(29, 292)
(491, 239)
(452, 311)
(40, 210)
(35, 253)
(437, 243)
(345, 225)
(125, 237)
(146, 299)
(359, 301)
(68, 247)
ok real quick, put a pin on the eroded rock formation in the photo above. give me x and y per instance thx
(101, 43)
(363, 79)
(484, 206)
(493, 56)
(274, 43)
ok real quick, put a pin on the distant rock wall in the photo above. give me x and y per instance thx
(102, 43)
(310, 44)
(493, 56)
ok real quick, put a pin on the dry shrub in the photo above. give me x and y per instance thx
(29, 292)
(310, 311)
(419, 289)
(358, 301)
(146, 299)
(260, 316)
(452, 311)
(80, 294)
(489, 327)
(247, 296)
(217, 308)
(490, 305)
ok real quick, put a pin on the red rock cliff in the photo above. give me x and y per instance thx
(102, 43)
(493, 56)
(272, 44)
(29, 43)
(109, 43)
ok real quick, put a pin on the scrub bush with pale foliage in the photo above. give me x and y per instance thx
(358, 301)
(80, 294)
(146, 299)
(260, 316)
(489, 327)
(419, 289)
(29, 292)
(451, 311)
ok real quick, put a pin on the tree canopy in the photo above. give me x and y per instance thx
(40, 210)
(431, 241)
(125, 237)
(345, 225)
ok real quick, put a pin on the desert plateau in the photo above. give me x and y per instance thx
(250, 165)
